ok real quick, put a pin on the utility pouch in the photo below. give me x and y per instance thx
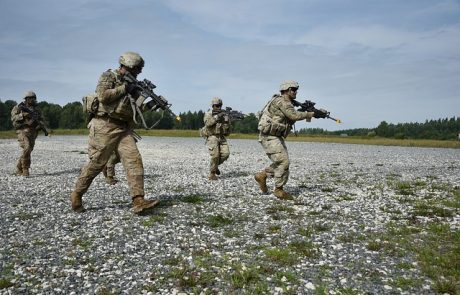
(90, 103)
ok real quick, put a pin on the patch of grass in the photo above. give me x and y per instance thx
(344, 197)
(429, 210)
(279, 208)
(247, 278)
(303, 248)
(84, 243)
(193, 199)
(281, 256)
(274, 228)
(231, 233)
(374, 246)
(5, 283)
(347, 238)
(327, 189)
(321, 227)
(259, 236)
(24, 216)
(404, 188)
(306, 231)
(219, 220)
(326, 207)
(153, 219)
(406, 283)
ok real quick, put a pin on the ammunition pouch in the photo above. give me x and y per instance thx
(268, 127)
(90, 103)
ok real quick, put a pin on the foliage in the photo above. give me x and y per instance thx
(71, 116)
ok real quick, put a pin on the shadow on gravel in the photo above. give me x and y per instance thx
(70, 171)
(234, 174)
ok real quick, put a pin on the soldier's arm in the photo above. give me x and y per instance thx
(209, 120)
(292, 114)
(106, 90)
(16, 114)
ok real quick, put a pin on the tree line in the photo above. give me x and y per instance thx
(72, 116)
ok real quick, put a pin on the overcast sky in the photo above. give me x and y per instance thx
(365, 61)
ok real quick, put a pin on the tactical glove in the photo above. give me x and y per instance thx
(131, 88)
(321, 113)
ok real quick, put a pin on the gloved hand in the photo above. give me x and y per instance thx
(131, 88)
(219, 116)
(321, 113)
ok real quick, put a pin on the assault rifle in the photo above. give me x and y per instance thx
(35, 117)
(232, 114)
(157, 102)
(309, 106)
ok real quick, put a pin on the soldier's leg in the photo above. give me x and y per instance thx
(224, 151)
(29, 143)
(109, 169)
(21, 142)
(103, 140)
(134, 169)
(212, 143)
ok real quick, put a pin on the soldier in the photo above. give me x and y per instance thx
(275, 124)
(109, 169)
(111, 130)
(216, 127)
(27, 120)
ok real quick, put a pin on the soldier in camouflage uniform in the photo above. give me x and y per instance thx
(27, 120)
(111, 130)
(216, 127)
(275, 124)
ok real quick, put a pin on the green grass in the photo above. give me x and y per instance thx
(302, 138)
(281, 256)
(153, 220)
(219, 220)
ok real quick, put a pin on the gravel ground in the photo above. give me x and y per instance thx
(216, 237)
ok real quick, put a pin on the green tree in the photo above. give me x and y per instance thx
(72, 116)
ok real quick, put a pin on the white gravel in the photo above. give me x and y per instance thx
(339, 190)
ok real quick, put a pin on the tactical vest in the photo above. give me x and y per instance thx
(221, 128)
(273, 124)
(119, 109)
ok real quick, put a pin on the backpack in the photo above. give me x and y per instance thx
(90, 103)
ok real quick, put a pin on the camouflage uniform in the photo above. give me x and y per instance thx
(215, 129)
(27, 126)
(275, 124)
(111, 130)
(110, 167)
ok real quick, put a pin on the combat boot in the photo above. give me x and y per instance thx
(25, 172)
(140, 205)
(77, 204)
(281, 194)
(111, 180)
(261, 179)
(104, 171)
(212, 176)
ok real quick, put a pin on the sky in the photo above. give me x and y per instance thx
(365, 61)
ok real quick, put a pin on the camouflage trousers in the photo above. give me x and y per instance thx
(218, 150)
(276, 150)
(26, 139)
(105, 138)
(113, 160)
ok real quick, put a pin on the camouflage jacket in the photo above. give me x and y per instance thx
(217, 127)
(278, 116)
(23, 116)
(114, 100)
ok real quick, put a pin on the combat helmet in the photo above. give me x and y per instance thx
(288, 84)
(131, 60)
(216, 100)
(29, 94)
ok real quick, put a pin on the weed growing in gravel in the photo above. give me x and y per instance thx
(247, 278)
(306, 231)
(281, 256)
(84, 243)
(219, 220)
(274, 228)
(154, 219)
(344, 197)
(303, 248)
(193, 199)
(423, 208)
(5, 283)
(404, 188)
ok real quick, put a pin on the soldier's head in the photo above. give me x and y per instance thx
(289, 88)
(216, 103)
(30, 98)
(131, 62)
